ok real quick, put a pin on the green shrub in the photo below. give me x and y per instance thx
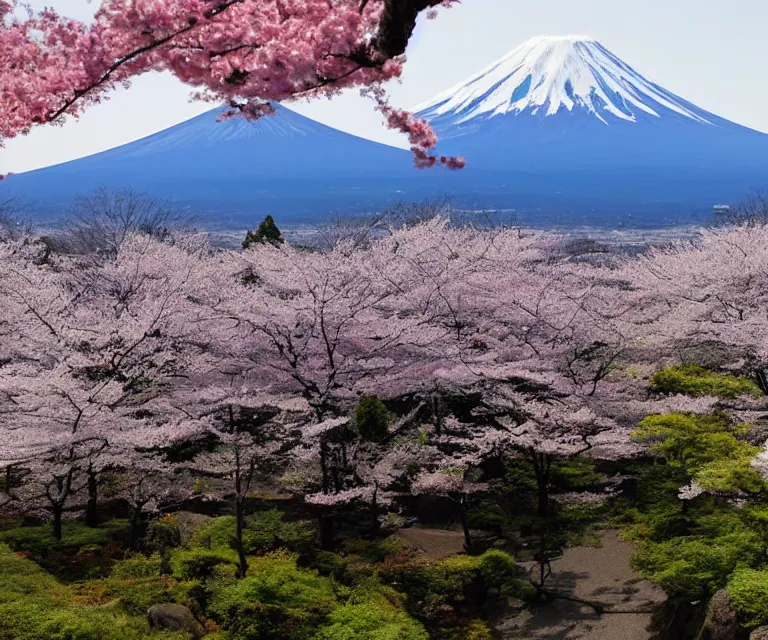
(327, 563)
(268, 531)
(75, 535)
(498, 569)
(376, 550)
(435, 590)
(695, 567)
(164, 533)
(33, 620)
(264, 531)
(372, 613)
(693, 380)
(471, 630)
(137, 566)
(218, 533)
(748, 590)
(35, 606)
(372, 419)
(456, 574)
(276, 601)
(706, 448)
(199, 564)
(136, 595)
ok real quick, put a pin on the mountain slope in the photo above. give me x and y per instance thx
(285, 164)
(560, 129)
(564, 118)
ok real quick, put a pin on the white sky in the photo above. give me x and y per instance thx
(707, 51)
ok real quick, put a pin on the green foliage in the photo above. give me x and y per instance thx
(136, 595)
(267, 231)
(748, 590)
(33, 606)
(135, 583)
(696, 566)
(706, 447)
(137, 566)
(264, 531)
(199, 563)
(82, 553)
(164, 533)
(692, 380)
(372, 419)
(275, 601)
(686, 440)
(372, 613)
(436, 590)
(374, 550)
(268, 530)
(34, 620)
(75, 535)
(689, 548)
(499, 571)
(327, 563)
(471, 630)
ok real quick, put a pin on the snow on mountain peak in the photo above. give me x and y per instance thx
(548, 73)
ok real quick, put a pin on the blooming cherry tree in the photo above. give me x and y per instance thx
(242, 52)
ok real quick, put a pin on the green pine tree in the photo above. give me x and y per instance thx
(372, 419)
(267, 231)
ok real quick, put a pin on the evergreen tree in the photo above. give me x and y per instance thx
(372, 419)
(267, 231)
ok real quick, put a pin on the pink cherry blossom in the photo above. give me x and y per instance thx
(244, 53)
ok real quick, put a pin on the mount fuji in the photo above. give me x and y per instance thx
(234, 172)
(562, 124)
(559, 129)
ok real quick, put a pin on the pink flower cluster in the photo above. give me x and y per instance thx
(241, 52)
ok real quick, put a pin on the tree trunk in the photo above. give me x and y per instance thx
(543, 502)
(57, 513)
(762, 380)
(91, 515)
(541, 466)
(8, 483)
(437, 415)
(375, 524)
(239, 521)
(133, 528)
(325, 523)
(544, 566)
(324, 465)
(465, 526)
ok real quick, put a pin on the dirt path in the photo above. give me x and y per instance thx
(597, 574)
(600, 574)
(433, 544)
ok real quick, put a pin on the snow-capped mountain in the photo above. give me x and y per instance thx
(560, 129)
(563, 122)
(547, 74)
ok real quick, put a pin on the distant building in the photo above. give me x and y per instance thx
(721, 213)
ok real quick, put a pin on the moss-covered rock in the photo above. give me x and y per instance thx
(174, 617)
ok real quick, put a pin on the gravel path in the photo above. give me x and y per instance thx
(600, 574)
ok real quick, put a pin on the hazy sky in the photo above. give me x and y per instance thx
(708, 51)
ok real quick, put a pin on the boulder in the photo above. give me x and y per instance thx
(189, 523)
(174, 617)
(761, 633)
(721, 622)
